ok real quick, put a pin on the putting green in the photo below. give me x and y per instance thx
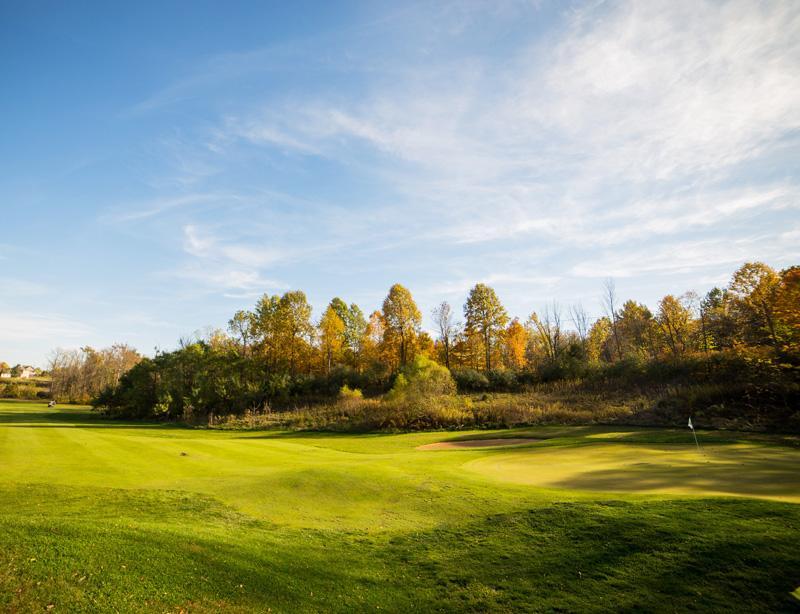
(742, 469)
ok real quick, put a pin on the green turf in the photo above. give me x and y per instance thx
(98, 515)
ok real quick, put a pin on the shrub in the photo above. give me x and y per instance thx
(502, 380)
(422, 378)
(345, 392)
(470, 380)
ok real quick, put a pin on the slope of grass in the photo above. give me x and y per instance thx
(99, 515)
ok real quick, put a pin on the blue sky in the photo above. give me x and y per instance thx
(163, 164)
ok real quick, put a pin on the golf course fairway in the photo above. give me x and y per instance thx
(100, 515)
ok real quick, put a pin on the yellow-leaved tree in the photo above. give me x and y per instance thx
(401, 319)
(515, 344)
(331, 337)
(485, 318)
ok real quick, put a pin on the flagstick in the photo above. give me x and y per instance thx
(697, 443)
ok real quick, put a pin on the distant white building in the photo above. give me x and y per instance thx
(5, 375)
(27, 372)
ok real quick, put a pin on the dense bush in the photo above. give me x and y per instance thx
(470, 380)
(20, 390)
(420, 380)
(503, 380)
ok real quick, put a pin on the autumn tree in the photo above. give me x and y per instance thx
(547, 327)
(515, 344)
(486, 317)
(468, 350)
(241, 326)
(580, 320)
(331, 336)
(599, 341)
(424, 345)
(753, 291)
(446, 327)
(79, 375)
(266, 328)
(610, 305)
(787, 308)
(296, 330)
(402, 319)
(637, 330)
(675, 321)
(355, 326)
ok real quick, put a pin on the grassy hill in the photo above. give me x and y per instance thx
(106, 515)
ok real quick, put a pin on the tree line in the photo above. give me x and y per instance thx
(79, 376)
(276, 351)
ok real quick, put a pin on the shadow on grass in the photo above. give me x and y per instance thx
(711, 555)
(68, 416)
(764, 472)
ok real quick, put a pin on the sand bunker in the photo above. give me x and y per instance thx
(476, 443)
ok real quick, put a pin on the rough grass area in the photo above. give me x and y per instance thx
(99, 515)
(31, 388)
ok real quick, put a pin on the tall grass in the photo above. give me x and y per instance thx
(713, 405)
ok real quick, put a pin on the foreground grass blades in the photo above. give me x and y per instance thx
(99, 515)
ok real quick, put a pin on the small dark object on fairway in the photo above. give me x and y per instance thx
(184, 454)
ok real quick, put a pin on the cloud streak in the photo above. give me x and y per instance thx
(645, 107)
(31, 326)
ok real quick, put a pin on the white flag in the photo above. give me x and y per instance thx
(690, 423)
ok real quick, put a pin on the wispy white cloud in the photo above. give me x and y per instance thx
(148, 209)
(630, 138)
(644, 107)
(226, 266)
(32, 326)
(689, 256)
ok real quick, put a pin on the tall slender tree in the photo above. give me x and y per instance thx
(331, 336)
(610, 305)
(446, 327)
(241, 327)
(402, 320)
(485, 316)
(296, 330)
